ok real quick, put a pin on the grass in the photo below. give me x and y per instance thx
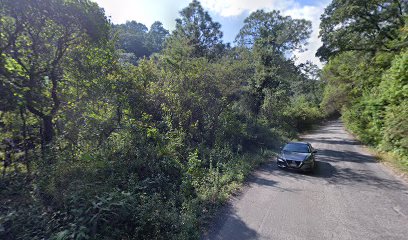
(213, 188)
(232, 183)
(394, 161)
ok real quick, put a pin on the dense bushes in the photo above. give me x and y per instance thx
(368, 84)
(146, 149)
(113, 201)
(394, 88)
(395, 129)
(303, 113)
(379, 116)
(366, 74)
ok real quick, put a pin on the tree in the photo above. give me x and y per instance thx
(137, 41)
(310, 83)
(281, 33)
(369, 25)
(197, 27)
(272, 38)
(156, 36)
(132, 38)
(141, 151)
(37, 38)
(365, 45)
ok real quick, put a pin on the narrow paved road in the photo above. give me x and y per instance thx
(349, 197)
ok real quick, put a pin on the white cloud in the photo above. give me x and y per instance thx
(228, 8)
(166, 11)
(311, 13)
(143, 11)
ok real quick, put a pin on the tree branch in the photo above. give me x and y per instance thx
(33, 110)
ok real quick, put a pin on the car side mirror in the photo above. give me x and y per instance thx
(314, 151)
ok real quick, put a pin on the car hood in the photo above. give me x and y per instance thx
(295, 156)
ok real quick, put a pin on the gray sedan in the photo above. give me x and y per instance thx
(298, 156)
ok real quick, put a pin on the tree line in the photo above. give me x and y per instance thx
(123, 131)
(365, 47)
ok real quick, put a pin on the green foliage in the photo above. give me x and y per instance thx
(343, 23)
(395, 129)
(378, 117)
(140, 148)
(274, 30)
(37, 39)
(394, 89)
(137, 41)
(276, 78)
(369, 84)
(199, 30)
(303, 113)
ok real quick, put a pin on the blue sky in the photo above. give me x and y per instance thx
(229, 13)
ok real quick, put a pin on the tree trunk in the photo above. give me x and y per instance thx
(7, 160)
(25, 144)
(47, 134)
(48, 129)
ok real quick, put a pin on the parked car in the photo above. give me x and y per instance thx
(297, 155)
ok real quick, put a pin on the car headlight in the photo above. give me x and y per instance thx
(280, 159)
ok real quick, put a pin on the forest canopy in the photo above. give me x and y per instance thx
(124, 131)
(365, 45)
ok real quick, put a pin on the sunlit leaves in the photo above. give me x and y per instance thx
(271, 29)
(199, 30)
(362, 26)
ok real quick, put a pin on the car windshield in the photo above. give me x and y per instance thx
(296, 147)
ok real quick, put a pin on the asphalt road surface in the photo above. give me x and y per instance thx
(350, 196)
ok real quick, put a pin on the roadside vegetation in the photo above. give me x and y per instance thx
(128, 132)
(365, 44)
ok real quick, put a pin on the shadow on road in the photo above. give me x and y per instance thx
(323, 170)
(331, 141)
(236, 228)
(364, 179)
(328, 172)
(230, 226)
(342, 167)
(327, 155)
(263, 177)
(331, 127)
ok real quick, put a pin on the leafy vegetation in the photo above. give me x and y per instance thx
(135, 41)
(123, 132)
(367, 72)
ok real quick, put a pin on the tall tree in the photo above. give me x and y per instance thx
(281, 33)
(36, 39)
(156, 36)
(200, 31)
(368, 25)
(272, 38)
(132, 38)
(137, 41)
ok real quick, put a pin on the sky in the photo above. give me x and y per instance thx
(229, 13)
